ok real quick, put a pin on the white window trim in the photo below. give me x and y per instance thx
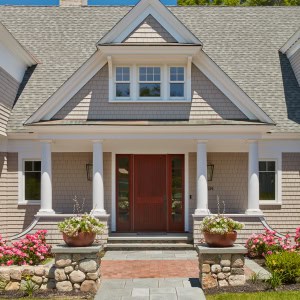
(278, 182)
(21, 200)
(184, 83)
(115, 82)
(164, 82)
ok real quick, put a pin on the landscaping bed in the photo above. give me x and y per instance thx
(250, 287)
(47, 294)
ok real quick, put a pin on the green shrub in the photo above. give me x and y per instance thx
(275, 280)
(285, 264)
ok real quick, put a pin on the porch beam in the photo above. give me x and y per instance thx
(253, 179)
(98, 186)
(46, 179)
(202, 190)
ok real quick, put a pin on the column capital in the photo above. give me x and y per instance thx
(46, 141)
(97, 141)
(202, 141)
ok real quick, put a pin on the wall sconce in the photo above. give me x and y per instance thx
(210, 172)
(89, 172)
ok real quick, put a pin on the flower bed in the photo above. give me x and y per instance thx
(260, 245)
(32, 250)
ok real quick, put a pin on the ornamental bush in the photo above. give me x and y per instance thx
(267, 243)
(31, 250)
(285, 264)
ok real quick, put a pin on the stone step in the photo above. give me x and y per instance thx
(149, 246)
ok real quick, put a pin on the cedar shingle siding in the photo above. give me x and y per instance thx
(8, 91)
(91, 103)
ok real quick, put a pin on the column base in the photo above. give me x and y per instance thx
(99, 212)
(254, 212)
(42, 212)
(202, 211)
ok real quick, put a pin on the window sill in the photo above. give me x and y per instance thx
(270, 203)
(29, 202)
(150, 101)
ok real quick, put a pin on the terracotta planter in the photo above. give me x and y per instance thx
(83, 239)
(220, 240)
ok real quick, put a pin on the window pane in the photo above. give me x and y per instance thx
(122, 89)
(262, 166)
(267, 186)
(37, 166)
(271, 166)
(149, 74)
(32, 185)
(149, 90)
(122, 74)
(176, 89)
(176, 73)
(28, 166)
(177, 197)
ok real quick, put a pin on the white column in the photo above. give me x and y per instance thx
(98, 187)
(46, 180)
(253, 179)
(202, 192)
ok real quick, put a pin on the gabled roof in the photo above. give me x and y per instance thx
(242, 41)
(292, 44)
(139, 13)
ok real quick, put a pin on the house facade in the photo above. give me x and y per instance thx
(151, 117)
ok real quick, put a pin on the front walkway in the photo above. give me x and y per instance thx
(152, 275)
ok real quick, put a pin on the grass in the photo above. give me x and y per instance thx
(294, 295)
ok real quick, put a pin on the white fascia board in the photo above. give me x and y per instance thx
(9, 41)
(290, 42)
(229, 88)
(69, 88)
(293, 49)
(149, 50)
(136, 16)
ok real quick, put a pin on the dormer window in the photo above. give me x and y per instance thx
(149, 82)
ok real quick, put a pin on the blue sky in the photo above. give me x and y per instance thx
(90, 2)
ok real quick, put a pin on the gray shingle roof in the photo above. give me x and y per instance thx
(243, 41)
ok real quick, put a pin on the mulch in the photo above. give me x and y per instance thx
(250, 287)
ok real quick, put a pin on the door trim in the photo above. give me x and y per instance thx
(113, 188)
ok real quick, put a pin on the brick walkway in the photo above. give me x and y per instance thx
(149, 269)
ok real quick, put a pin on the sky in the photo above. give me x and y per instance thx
(90, 2)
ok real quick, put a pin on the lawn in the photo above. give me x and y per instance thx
(295, 295)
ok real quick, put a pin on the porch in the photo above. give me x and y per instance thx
(64, 175)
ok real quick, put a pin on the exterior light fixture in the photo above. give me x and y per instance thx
(89, 172)
(210, 172)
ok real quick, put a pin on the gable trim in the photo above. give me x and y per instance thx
(49, 108)
(293, 42)
(229, 88)
(137, 15)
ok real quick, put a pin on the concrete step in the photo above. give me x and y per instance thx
(149, 246)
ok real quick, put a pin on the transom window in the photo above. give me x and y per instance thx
(267, 180)
(32, 180)
(149, 83)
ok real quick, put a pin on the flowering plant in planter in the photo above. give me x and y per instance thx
(81, 223)
(219, 230)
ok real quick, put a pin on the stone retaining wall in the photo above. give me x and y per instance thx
(74, 269)
(221, 267)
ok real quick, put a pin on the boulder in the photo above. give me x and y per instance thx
(64, 286)
(237, 271)
(16, 274)
(39, 271)
(69, 269)
(88, 266)
(236, 280)
(216, 269)
(89, 286)
(37, 279)
(225, 260)
(77, 276)
(5, 275)
(92, 276)
(28, 271)
(208, 281)
(60, 275)
(221, 276)
(12, 286)
(237, 261)
(63, 260)
(226, 269)
(223, 283)
(205, 268)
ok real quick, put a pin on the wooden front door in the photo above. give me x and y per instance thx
(150, 193)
